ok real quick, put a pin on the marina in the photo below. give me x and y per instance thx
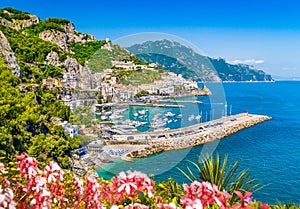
(166, 140)
(155, 105)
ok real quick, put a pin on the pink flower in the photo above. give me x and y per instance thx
(243, 200)
(6, 198)
(167, 206)
(127, 184)
(2, 168)
(40, 184)
(200, 195)
(27, 165)
(134, 183)
(136, 206)
(53, 172)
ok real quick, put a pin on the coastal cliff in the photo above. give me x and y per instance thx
(8, 55)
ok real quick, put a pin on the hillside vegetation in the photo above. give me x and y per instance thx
(29, 111)
(181, 59)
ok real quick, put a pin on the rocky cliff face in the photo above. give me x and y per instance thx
(8, 55)
(63, 38)
(82, 74)
(58, 31)
(53, 59)
(56, 37)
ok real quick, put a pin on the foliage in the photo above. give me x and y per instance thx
(26, 113)
(170, 190)
(35, 30)
(60, 21)
(142, 93)
(30, 49)
(83, 116)
(84, 51)
(286, 205)
(25, 184)
(84, 140)
(102, 58)
(56, 24)
(14, 14)
(222, 174)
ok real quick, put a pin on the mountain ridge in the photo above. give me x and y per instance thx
(179, 58)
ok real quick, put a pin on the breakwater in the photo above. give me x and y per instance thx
(197, 134)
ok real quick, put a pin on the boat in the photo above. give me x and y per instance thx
(179, 116)
(191, 117)
(142, 112)
(135, 114)
(169, 114)
(198, 117)
(157, 124)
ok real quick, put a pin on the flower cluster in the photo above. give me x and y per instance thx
(202, 194)
(6, 198)
(29, 186)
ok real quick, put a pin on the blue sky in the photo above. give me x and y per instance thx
(265, 33)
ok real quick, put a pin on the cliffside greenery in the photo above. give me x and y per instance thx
(13, 14)
(27, 112)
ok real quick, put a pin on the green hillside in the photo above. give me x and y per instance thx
(28, 109)
(178, 58)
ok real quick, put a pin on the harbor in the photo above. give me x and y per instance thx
(155, 105)
(182, 138)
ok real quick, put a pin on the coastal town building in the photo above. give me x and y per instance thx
(71, 130)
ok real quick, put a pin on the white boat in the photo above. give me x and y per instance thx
(157, 124)
(135, 114)
(169, 114)
(198, 117)
(191, 117)
(142, 112)
(179, 116)
(170, 121)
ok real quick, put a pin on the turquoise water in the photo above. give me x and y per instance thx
(271, 150)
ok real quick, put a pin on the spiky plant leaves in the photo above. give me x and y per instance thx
(220, 172)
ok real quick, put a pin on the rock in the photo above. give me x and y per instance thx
(105, 157)
(53, 59)
(92, 174)
(74, 36)
(56, 37)
(19, 24)
(62, 39)
(8, 55)
(72, 66)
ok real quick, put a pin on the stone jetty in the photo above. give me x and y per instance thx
(197, 134)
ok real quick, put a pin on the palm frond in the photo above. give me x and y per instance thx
(220, 172)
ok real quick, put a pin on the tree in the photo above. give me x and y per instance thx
(100, 97)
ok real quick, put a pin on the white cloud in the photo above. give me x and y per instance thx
(247, 62)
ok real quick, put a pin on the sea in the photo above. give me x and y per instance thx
(270, 150)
